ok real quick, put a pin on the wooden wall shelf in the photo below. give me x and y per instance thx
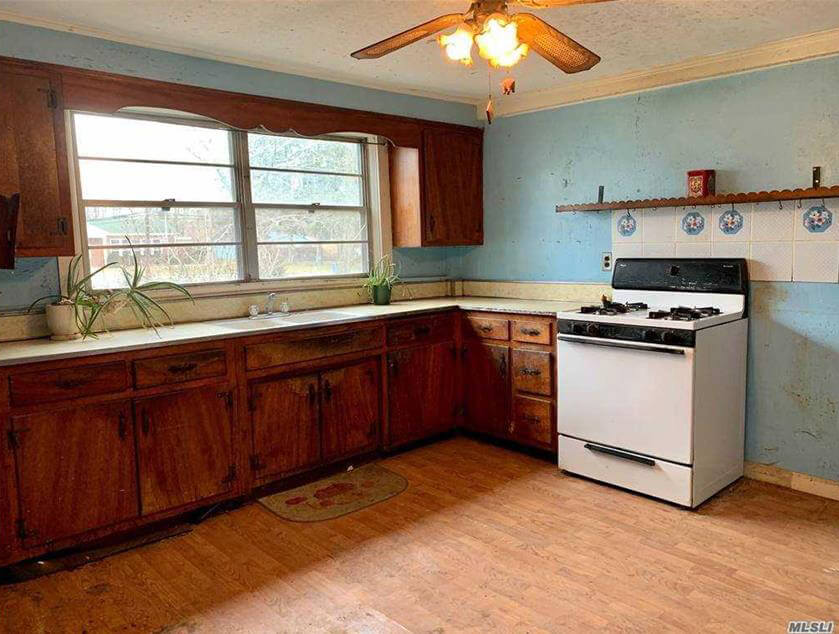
(719, 199)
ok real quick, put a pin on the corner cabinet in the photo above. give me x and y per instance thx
(437, 189)
(34, 159)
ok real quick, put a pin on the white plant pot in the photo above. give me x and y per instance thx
(61, 320)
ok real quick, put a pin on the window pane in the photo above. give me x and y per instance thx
(280, 152)
(121, 180)
(297, 225)
(151, 225)
(118, 137)
(184, 265)
(278, 261)
(305, 189)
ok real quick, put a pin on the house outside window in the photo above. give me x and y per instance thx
(204, 204)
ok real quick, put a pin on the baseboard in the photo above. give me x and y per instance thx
(793, 480)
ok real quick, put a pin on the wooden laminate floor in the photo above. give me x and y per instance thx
(484, 539)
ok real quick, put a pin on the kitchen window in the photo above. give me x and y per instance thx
(205, 204)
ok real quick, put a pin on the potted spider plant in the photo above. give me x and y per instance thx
(75, 313)
(381, 280)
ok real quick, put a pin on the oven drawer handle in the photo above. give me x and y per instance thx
(620, 454)
(611, 344)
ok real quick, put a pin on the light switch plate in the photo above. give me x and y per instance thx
(606, 261)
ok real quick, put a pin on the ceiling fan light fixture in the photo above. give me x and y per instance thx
(458, 45)
(498, 42)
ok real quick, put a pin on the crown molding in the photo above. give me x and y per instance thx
(261, 64)
(791, 50)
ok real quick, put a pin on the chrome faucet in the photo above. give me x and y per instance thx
(269, 305)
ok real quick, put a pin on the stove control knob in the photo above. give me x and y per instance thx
(578, 329)
(670, 338)
(651, 336)
(593, 330)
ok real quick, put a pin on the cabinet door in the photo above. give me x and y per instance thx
(453, 186)
(34, 163)
(75, 470)
(421, 391)
(286, 431)
(350, 409)
(486, 386)
(184, 445)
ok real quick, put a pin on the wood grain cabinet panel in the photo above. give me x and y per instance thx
(431, 329)
(532, 371)
(32, 388)
(285, 415)
(487, 386)
(531, 331)
(178, 368)
(350, 399)
(486, 327)
(34, 160)
(75, 471)
(532, 421)
(422, 393)
(309, 346)
(184, 444)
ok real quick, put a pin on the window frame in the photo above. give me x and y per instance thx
(374, 201)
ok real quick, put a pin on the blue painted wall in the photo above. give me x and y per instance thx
(758, 130)
(56, 47)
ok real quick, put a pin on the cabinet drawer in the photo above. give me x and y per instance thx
(533, 421)
(531, 331)
(312, 346)
(532, 371)
(56, 385)
(177, 368)
(424, 330)
(487, 327)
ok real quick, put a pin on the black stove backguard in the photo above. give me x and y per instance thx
(693, 275)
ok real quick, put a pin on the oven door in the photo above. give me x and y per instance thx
(627, 395)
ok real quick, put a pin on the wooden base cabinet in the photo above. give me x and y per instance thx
(350, 401)
(75, 471)
(184, 445)
(486, 386)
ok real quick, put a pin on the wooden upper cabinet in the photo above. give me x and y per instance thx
(34, 160)
(437, 190)
(75, 470)
(184, 443)
(285, 425)
(350, 409)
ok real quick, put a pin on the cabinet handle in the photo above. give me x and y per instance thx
(146, 423)
(122, 427)
(532, 332)
(485, 328)
(393, 364)
(526, 371)
(62, 226)
(503, 366)
(431, 223)
(70, 384)
(327, 390)
(530, 418)
(422, 331)
(182, 368)
(312, 394)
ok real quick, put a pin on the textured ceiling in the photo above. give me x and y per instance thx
(315, 37)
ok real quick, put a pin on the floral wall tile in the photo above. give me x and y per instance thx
(815, 262)
(726, 249)
(659, 249)
(731, 222)
(816, 220)
(692, 224)
(771, 261)
(660, 225)
(693, 249)
(772, 222)
(627, 226)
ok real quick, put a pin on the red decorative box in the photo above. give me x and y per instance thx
(701, 183)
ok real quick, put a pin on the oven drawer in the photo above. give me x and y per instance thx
(660, 479)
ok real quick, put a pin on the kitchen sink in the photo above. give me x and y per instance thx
(277, 320)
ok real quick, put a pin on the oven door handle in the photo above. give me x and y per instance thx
(628, 346)
(620, 454)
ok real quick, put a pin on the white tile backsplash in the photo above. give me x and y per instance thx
(771, 223)
(660, 225)
(815, 262)
(659, 249)
(728, 249)
(693, 224)
(693, 249)
(771, 261)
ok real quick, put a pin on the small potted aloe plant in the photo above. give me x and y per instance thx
(74, 314)
(381, 279)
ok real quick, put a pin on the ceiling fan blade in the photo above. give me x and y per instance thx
(544, 4)
(410, 36)
(559, 49)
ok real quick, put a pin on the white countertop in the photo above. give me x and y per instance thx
(36, 350)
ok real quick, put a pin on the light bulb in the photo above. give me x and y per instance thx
(458, 45)
(498, 42)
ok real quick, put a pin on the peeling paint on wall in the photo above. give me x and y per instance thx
(31, 279)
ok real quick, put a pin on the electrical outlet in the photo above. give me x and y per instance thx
(606, 261)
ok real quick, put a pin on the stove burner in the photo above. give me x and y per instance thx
(608, 307)
(684, 313)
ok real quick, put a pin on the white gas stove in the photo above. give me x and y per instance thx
(652, 383)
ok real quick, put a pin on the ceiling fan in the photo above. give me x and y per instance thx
(503, 39)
